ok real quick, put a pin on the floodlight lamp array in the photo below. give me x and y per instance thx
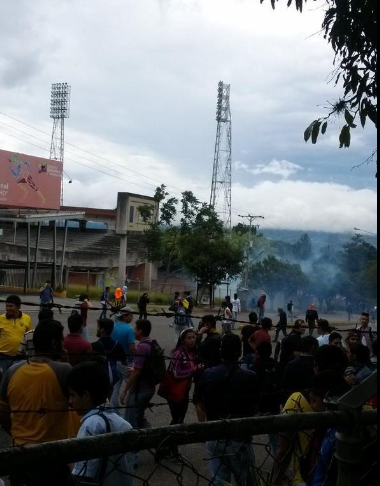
(60, 101)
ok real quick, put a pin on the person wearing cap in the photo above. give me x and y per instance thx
(324, 331)
(311, 318)
(124, 334)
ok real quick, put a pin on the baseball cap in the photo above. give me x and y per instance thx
(125, 310)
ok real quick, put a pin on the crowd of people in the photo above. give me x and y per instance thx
(109, 385)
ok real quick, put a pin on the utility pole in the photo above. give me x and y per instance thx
(251, 220)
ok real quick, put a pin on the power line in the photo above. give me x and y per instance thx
(79, 163)
(67, 151)
(86, 151)
(175, 191)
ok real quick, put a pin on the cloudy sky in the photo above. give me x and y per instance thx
(144, 76)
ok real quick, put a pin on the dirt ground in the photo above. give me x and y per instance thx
(194, 455)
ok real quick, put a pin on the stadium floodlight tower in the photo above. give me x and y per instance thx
(221, 190)
(59, 111)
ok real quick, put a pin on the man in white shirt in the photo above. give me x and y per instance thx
(88, 385)
(324, 331)
(367, 333)
(236, 309)
(125, 293)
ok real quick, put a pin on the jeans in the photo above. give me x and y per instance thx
(261, 314)
(227, 327)
(85, 333)
(137, 404)
(103, 315)
(312, 326)
(143, 315)
(178, 330)
(248, 361)
(274, 440)
(179, 411)
(230, 458)
(6, 363)
(279, 329)
(235, 316)
(115, 399)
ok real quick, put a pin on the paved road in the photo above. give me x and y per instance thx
(195, 454)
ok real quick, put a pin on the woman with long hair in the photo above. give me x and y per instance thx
(183, 366)
(180, 374)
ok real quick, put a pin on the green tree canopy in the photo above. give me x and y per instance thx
(275, 277)
(350, 26)
(303, 249)
(189, 235)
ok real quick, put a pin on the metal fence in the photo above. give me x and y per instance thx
(241, 449)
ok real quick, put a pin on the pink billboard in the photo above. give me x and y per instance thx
(29, 182)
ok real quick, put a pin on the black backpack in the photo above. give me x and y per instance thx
(181, 318)
(270, 382)
(155, 366)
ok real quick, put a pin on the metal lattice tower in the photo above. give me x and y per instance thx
(59, 111)
(221, 190)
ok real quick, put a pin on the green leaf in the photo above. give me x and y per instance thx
(324, 128)
(345, 137)
(363, 118)
(315, 132)
(309, 131)
(372, 113)
(349, 119)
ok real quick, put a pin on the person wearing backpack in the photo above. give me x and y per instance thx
(112, 351)
(104, 300)
(148, 371)
(190, 310)
(181, 321)
(88, 386)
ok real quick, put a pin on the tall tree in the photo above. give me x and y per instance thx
(350, 26)
(197, 243)
(357, 264)
(275, 277)
(303, 249)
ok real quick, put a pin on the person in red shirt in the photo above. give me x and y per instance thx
(263, 335)
(76, 346)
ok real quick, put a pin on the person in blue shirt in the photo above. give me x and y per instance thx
(46, 295)
(124, 334)
(104, 299)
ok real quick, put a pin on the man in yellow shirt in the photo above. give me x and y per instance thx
(13, 327)
(36, 389)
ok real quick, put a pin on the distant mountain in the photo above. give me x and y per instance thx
(320, 239)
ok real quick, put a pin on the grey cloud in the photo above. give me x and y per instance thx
(144, 77)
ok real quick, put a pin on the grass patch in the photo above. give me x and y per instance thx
(156, 298)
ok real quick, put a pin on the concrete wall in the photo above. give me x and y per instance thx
(128, 216)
